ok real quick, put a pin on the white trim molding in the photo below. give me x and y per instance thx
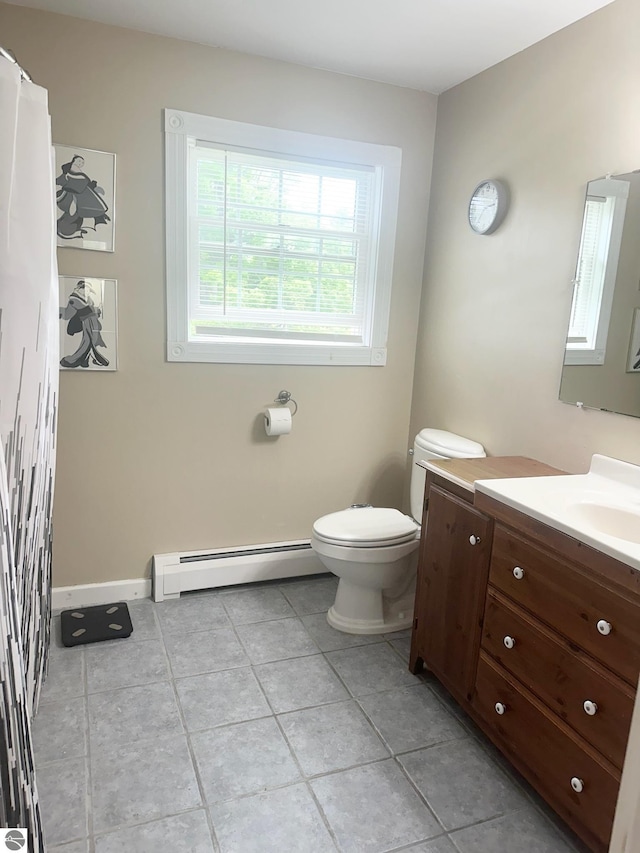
(84, 595)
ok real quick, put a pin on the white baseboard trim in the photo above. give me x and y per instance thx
(84, 595)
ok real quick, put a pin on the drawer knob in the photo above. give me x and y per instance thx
(590, 708)
(518, 573)
(500, 708)
(604, 627)
(474, 540)
(577, 785)
(509, 642)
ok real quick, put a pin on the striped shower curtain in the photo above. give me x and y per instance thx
(28, 398)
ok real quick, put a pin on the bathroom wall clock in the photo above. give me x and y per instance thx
(488, 206)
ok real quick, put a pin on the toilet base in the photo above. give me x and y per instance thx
(367, 626)
(369, 610)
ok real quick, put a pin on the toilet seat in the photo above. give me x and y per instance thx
(366, 527)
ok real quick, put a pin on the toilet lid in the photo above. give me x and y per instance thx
(448, 444)
(366, 527)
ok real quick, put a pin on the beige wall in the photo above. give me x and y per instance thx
(495, 308)
(161, 457)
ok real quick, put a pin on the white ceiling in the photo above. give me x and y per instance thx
(422, 44)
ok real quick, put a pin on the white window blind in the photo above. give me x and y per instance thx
(592, 259)
(280, 244)
(279, 247)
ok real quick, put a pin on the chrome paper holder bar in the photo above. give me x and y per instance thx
(285, 397)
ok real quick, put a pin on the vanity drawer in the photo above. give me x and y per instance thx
(591, 700)
(550, 754)
(574, 603)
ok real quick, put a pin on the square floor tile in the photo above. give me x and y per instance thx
(311, 596)
(441, 693)
(206, 651)
(370, 669)
(374, 808)
(277, 640)
(195, 611)
(328, 639)
(60, 731)
(244, 758)
(142, 782)
(398, 635)
(219, 698)
(300, 683)
(143, 619)
(410, 718)
(256, 605)
(437, 845)
(331, 737)
(461, 783)
(74, 847)
(520, 832)
(65, 679)
(62, 790)
(184, 833)
(282, 821)
(56, 635)
(133, 714)
(125, 663)
(402, 645)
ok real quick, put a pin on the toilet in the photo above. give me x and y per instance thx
(374, 550)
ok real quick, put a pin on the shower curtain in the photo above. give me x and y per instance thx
(28, 397)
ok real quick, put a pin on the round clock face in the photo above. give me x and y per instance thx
(487, 206)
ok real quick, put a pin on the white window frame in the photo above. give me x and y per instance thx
(181, 128)
(593, 349)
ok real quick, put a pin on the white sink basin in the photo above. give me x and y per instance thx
(618, 521)
(601, 508)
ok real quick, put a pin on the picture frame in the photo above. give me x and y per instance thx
(88, 323)
(85, 189)
(633, 361)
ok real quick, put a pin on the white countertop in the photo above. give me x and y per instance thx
(590, 507)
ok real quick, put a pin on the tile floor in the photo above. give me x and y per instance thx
(238, 721)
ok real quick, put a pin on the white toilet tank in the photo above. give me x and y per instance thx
(436, 444)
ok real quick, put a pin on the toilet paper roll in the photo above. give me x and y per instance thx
(277, 421)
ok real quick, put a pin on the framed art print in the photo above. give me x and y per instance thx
(88, 323)
(85, 198)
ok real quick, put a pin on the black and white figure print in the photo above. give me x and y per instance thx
(88, 323)
(85, 198)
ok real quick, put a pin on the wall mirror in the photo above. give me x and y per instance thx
(601, 367)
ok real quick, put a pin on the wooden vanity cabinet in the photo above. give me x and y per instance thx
(454, 568)
(538, 637)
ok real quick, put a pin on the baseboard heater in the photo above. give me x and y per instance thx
(191, 570)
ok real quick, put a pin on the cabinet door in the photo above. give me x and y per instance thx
(453, 573)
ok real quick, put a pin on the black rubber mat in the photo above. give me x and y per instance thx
(94, 624)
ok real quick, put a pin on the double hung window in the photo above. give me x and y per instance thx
(596, 271)
(279, 244)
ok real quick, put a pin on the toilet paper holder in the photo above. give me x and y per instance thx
(285, 397)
